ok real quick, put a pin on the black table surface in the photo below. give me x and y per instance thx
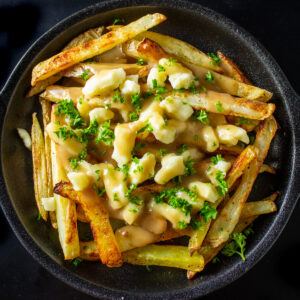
(276, 25)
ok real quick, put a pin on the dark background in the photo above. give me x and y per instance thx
(275, 25)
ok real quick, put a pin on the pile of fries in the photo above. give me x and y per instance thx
(147, 129)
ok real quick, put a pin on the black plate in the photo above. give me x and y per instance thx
(208, 31)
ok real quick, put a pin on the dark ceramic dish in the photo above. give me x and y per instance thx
(208, 31)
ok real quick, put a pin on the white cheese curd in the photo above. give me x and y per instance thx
(173, 67)
(231, 134)
(115, 187)
(197, 204)
(49, 203)
(104, 82)
(173, 215)
(181, 80)
(100, 114)
(209, 138)
(207, 191)
(172, 165)
(193, 154)
(163, 132)
(154, 74)
(79, 180)
(125, 135)
(142, 169)
(131, 212)
(129, 88)
(149, 109)
(176, 108)
(212, 171)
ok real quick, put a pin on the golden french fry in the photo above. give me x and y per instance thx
(262, 207)
(99, 219)
(89, 251)
(65, 208)
(80, 214)
(232, 70)
(168, 256)
(39, 166)
(238, 168)
(46, 112)
(229, 216)
(67, 58)
(267, 168)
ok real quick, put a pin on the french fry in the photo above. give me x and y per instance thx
(267, 168)
(89, 251)
(80, 214)
(92, 48)
(153, 52)
(46, 112)
(168, 256)
(238, 168)
(82, 38)
(265, 206)
(65, 208)
(39, 166)
(232, 70)
(229, 216)
(96, 213)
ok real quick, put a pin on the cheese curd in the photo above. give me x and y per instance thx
(49, 203)
(115, 187)
(173, 67)
(212, 170)
(131, 212)
(125, 135)
(181, 80)
(206, 191)
(176, 108)
(79, 180)
(100, 114)
(193, 154)
(130, 87)
(172, 165)
(173, 215)
(104, 82)
(231, 134)
(142, 169)
(159, 76)
(209, 138)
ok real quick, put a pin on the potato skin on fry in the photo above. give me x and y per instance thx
(67, 58)
(98, 216)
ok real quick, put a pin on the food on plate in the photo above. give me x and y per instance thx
(147, 139)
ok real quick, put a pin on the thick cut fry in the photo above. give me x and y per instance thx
(80, 214)
(229, 216)
(46, 111)
(168, 256)
(98, 216)
(232, 70)
(65, 208)
(238, 168)
(265, 206)
(39, 166)
(90, 34)
(182, 50)
(267, 168)
(89, 49)
(153, 52)
(89, 251)
(225, 104)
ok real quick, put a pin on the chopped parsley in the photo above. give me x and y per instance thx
(140, 62)
(189, 169)
(219, 106)
(105, 134)
(116, 197)
(215, 260)
(136, 200)
(138, 146)
(125, 170)
(215, 58)
(117, 97)
(182, 149)
(252, 139)
(147, 95)
(193, 89)
(201, 116)
(99, 191)
(216, 159)
(161, 152)
(139, 169)
(154, 83)
(222, 184)
(182, 225)
(135, 160)
(161, 68)
(208, 212)
(196, 224)
(65, 133)
(148, 269)
(133, 116)
(68, 109)
(136, 101)
(39, 217)
(117, 21)
(146, 127)
(209, 77)
(98, 173)
(196, 137)
(77, 261)
(171, 61)
(131, 188)
(85, 75)
(236, 246)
